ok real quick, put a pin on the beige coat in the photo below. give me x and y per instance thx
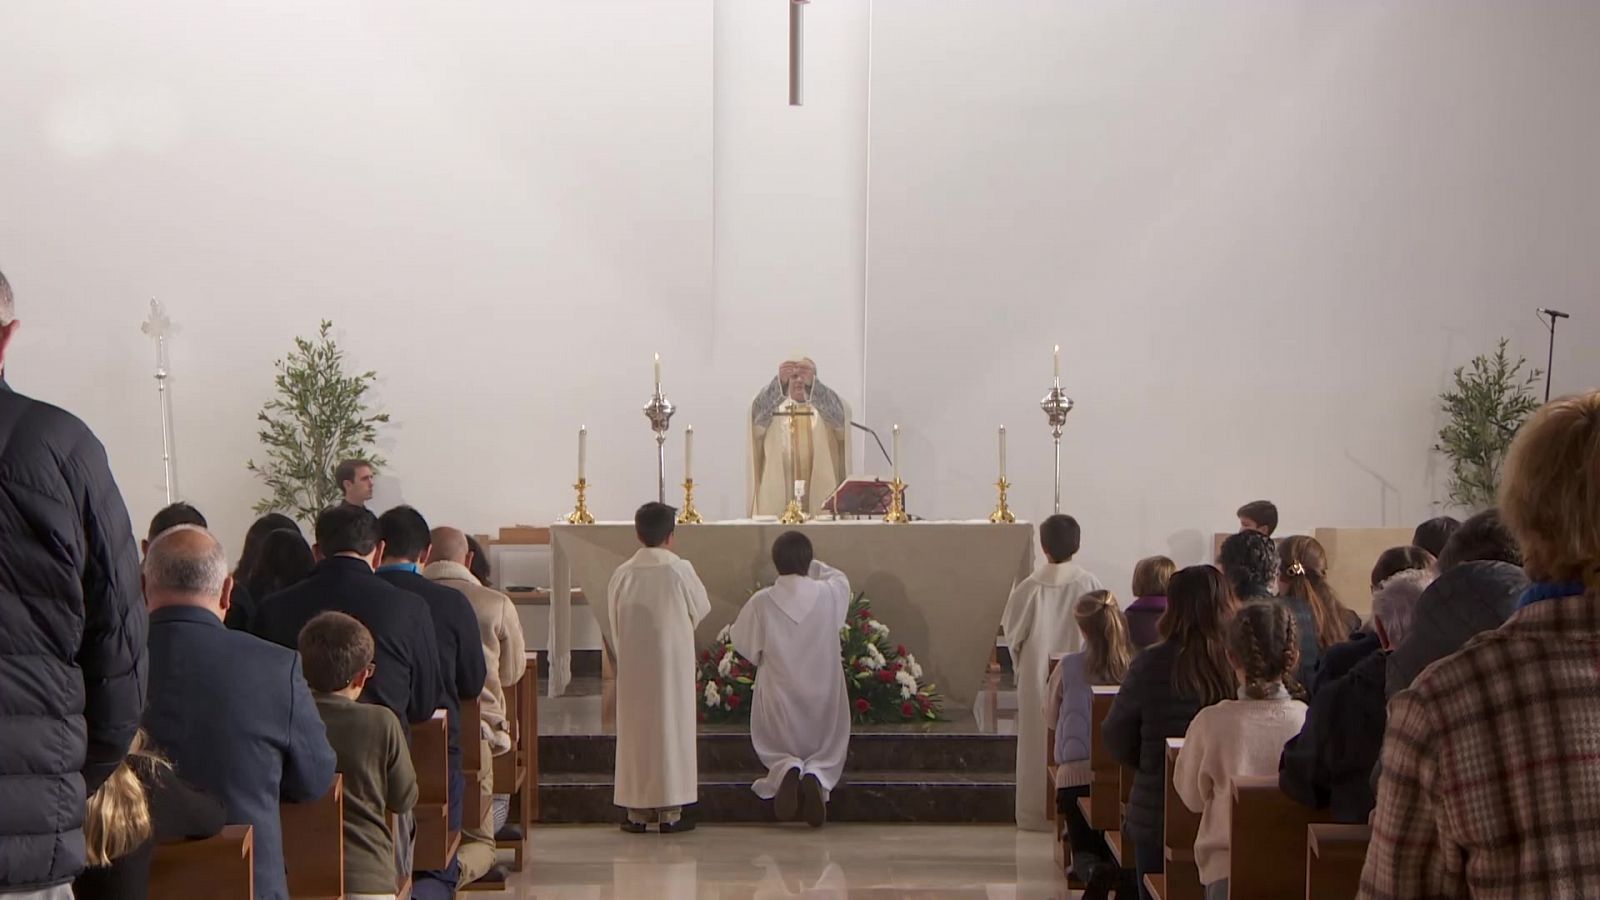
(504, 648)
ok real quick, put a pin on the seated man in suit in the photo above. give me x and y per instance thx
(407, 542)
(230, 710)
(407, 678)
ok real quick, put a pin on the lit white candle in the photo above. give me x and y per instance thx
(1058, 364)
(897, 453)
(583, 451)
(688, 454)
(658, 373)
(1002, 453)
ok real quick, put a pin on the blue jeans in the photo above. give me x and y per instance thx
(1148, 859)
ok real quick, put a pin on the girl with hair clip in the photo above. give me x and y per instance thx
(142, 803)
(1303, 585)
(1240, 737)
(1104, 660)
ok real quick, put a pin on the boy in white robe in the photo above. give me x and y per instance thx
(653, 604)
(1037, 624)
(800, 716)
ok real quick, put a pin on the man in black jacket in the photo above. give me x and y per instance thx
(406, 542)
(72, 633)
(407, 678)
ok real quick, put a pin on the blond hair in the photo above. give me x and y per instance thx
(117, 817)
(1151, 576)
(1109, 648)
(1550, 496)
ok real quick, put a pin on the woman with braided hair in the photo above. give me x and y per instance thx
(1240, 737)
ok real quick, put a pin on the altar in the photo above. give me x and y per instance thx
(940, 586)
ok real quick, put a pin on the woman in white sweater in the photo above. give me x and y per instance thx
(1240, 737)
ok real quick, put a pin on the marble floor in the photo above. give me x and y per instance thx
(598, 862)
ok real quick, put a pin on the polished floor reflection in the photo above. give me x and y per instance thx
(592, 862)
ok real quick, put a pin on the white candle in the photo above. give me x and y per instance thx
(688, 454)
(897, 453)
(583, 451)
(1002, 453)
(658, 373)
(1058, 363)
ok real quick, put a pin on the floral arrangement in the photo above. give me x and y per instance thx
(883, 679)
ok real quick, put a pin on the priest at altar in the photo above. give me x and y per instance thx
(799, 435)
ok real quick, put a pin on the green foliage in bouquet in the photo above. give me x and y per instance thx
(883, 679)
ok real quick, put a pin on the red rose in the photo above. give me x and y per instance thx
(705, 656)
(864, 615)
(862, 705)
(894, 667)
(885, 676)
(907, 710)
(901, 651)
(733, 701)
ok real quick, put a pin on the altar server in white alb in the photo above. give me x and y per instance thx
(1038, 624)
(800, 717)
(652, 606)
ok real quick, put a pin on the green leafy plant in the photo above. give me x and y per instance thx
(318, 418)
(1489, 402)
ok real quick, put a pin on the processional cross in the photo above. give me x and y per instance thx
(794, 513)
(796, 51)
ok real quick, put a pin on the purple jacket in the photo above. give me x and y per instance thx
(1143, 617)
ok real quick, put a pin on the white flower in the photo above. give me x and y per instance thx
(912, 667)
(725, 667)
(726, 634)
(908, 684)
(881, 629)
(713, 698)
(874, 657)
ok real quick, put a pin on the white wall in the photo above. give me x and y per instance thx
(1263, 232)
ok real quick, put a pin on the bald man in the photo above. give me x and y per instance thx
(504, 649)
(230, 710)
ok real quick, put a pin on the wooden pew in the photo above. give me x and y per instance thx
(1102, 808)
(1182, 878)
(1120, 842)
(517, 773)
(313, 845)
(430, 755)
(1335, 855)
(221, 867)
(1274, 828)
(472, 760)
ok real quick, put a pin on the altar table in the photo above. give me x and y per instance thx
(939, 586)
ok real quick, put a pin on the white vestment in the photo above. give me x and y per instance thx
(653, 604)
(1038, 624)
(823, 457)
(800, 717)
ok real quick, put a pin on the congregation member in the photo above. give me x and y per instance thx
(171, 516)
(1489, 786)
(1433, 534)
(407, 544)
(504, 660)
(1329, 764)
(800, 713)
(1480, 581)
(653, 603)
(1166, 686)
(1303, 576)
(1104, 659)
(478, 563)
(1038, 624)
(230, 710)
(373, 751)
(1253, 566)
(357, 482)
(1240, 737)
(285, 560)
(142, 804)
(1260, 516)
(1341, 658)
(72, 618)
(407, 678)
(1150, 577)
(241, 614)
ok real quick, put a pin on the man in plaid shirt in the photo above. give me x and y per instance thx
(1490, 782)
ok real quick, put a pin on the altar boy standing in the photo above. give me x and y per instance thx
(1038, 624)
(653, 604)
(800, 717)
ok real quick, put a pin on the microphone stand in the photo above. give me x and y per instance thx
(858, 425)
(1550, 361)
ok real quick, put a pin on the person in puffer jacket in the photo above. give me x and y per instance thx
(72, 634)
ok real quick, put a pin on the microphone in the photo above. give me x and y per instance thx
(1553, 313)
(858, 425)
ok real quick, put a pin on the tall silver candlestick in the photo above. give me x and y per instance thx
(1056, 405)
(159, 326)
(659, 411)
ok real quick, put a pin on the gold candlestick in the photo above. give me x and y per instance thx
(581, 515)
(897, 504)
(689, 515)
(793, 514)
(1002, 513)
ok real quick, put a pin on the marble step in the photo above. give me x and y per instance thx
(864, 796)
(901, 750)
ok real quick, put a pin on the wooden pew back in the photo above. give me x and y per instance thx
(1335, 855)
(1273, 829)
(223, 866)
(313, 844)
(1105, 792)
(430, 756)
(1182, 881)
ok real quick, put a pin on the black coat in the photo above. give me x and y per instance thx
(1328, 765)
(1146, 713)
(177, 812)
(1338, 660)
(407, 679)
(72, 637)
(455, 629)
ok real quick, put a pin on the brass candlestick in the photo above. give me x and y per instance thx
(1002, 513)
(793, 514)
(689, 515)
(897, 504)
(580, 515)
